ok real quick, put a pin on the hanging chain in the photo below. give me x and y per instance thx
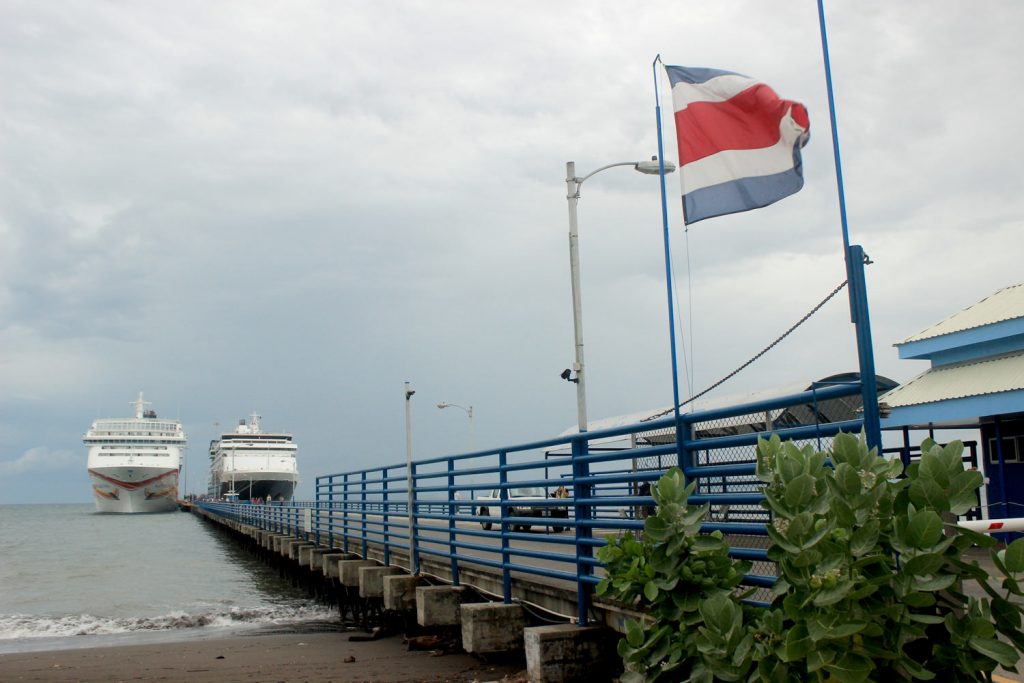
(763, 351)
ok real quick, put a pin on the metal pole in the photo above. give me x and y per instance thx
(865, 349)
(472, 431)
(681, 461)
(409, 478)
(573, 195)
(854, 271)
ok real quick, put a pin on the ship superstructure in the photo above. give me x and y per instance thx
(250, 464)
(134, 462)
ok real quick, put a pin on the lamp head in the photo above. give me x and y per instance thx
(652, 167)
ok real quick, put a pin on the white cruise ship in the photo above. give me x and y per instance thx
(134, 462)
(250, 464)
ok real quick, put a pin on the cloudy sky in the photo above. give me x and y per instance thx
(293, 208)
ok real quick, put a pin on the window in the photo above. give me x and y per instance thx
(1013, 446)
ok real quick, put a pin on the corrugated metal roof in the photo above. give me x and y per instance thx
(727, 401)
(1006, 304)
(960, 380)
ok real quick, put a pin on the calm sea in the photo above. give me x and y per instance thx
(70, 577)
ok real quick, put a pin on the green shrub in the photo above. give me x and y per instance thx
(683, 581)
(871, 574)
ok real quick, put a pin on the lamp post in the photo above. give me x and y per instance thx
(472, 427)
(409, 391)
(573, 183)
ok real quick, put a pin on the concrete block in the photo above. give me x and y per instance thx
(295, 549)
(400, 592)
(305, 552)
(281, 544)
(439, 605)
(371, 580)
(329, 563)
(316, 558)
(348, 571)
(492, 627)
(565, 653)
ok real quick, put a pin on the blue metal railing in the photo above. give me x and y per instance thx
(459, 522)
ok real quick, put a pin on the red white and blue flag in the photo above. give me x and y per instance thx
(739, 144)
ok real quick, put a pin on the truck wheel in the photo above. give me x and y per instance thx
(485, 525)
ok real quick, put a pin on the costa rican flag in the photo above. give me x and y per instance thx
(739, 144)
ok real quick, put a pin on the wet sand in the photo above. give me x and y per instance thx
(305, 657)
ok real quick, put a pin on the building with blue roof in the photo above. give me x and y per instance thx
(976, 380)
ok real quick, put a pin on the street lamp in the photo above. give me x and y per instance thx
(408, 473)
(472, 427)
(652, 167)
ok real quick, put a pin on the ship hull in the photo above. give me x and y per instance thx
(263, 487)
(130, 490)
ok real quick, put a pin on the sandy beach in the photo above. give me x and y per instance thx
(298, 657)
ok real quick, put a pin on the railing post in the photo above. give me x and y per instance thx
(506, 558)
(584, 551)
(330, 511)
(362, 516)
(865, 349)
(344, 513)
(384, 516)
(451, 522)
(414, 555)
(316, 523)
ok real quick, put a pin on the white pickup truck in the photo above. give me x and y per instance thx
(522, 500)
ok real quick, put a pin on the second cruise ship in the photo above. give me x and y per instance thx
(250, 464)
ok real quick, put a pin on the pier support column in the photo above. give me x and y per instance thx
(329, 563)
(565, 653)
(371, 580)
(287, 544)
(439, 605)
(400, 592)
(492, 627)
(295, 550)
(316, 556)
(348, 571)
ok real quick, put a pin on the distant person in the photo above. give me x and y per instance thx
(560, 492)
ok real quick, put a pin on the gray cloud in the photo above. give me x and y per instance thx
(238, 207)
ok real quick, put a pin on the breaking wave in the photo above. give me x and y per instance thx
(24, 626)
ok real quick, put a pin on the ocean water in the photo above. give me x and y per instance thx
(70, 577)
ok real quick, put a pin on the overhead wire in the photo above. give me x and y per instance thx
(760, 353)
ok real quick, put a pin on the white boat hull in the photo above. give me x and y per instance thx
(265, 486)
(134, 489)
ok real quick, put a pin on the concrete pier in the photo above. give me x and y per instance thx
(439, 605)
(348, 571)
(371, 580)
(489, 627)
(400, 592)
(565, 653)
(367, 592)
(329, 563)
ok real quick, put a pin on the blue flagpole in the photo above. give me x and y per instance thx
(855, 261)
(668, 266)
(835, 140)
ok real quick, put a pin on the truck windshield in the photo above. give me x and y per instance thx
(526, 492)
